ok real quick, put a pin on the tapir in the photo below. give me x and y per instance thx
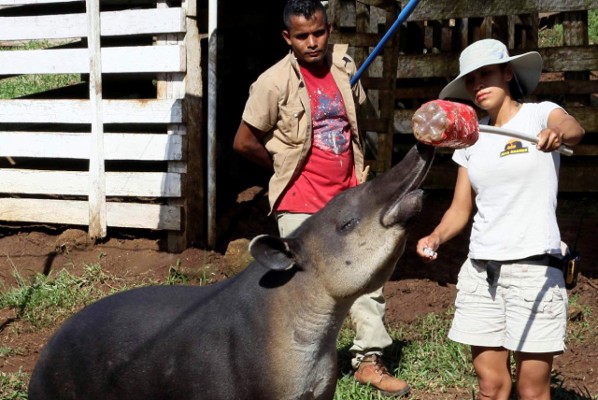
(268, 333)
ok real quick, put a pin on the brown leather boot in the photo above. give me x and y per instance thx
(372, 372)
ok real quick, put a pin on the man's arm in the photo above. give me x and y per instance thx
(248, 143)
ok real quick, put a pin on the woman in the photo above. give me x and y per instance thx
(509, 299)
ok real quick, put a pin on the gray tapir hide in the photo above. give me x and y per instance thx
(268, 333)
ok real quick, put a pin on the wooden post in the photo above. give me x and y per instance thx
(446, 35)
(211, 123)
(464, 33)
(387, 96)
(195, 180)
(97, 177)
(171, 86)
(575, 33)
(362, 24)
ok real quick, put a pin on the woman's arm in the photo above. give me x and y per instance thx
(454, 219)
(562, 129)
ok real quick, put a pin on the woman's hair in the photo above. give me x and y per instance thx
(305, 8)
(517, 91)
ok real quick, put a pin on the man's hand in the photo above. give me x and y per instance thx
(248, 143)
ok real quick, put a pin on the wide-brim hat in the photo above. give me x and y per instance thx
(527, 67)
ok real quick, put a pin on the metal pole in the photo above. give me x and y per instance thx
(400, 19)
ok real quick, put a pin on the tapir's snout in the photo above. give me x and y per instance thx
(398, 188)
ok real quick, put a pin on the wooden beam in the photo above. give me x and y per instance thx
(374, 124)
(384, 4)
(556, 59)
(73, 212)
(439, 10)
(68, 145)
(75, 183)
(13, 3)
(586, 149)
(356, 39)
(568, 86)
(137, 59)
(142, 111)
(431, 91)
(574, 58)
(113, 23)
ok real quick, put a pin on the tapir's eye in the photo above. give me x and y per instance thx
(348, 224)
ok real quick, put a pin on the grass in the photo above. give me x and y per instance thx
(13, 386)
(47, 299)
(421, 353)
(26, 85)
(583, 327)
(553, 37)
(44, 300)
(178, 276)
(593, 26)
(433, 365)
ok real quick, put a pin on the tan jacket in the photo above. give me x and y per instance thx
(279, 104)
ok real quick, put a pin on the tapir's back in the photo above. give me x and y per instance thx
(154, 342)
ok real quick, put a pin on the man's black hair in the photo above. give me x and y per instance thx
(305, 8)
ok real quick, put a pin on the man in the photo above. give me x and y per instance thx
(300, 121)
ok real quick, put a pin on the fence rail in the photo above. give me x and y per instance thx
(135, 146)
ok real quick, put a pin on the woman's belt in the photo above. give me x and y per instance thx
(493, 267)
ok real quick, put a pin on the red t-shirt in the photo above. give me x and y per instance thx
(329, 168)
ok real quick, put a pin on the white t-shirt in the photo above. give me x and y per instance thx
(516, 190)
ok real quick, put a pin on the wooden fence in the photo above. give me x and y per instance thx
(141, 164)
(423, 56)
(113, 151)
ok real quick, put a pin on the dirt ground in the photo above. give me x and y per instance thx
(414, 290)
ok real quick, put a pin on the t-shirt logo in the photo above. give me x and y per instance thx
(331, 128)
(514, 146)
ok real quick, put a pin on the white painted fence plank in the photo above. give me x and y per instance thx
(7, 3)
(96, 184)
(149, 111)
(75, 183)
(75, 61)
(117, 146)
(114, 23)
(125, 215)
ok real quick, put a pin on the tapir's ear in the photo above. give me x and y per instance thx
(272, 252)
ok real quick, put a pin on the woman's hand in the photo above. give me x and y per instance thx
(550, 140)
(562, 129)
(427, 246)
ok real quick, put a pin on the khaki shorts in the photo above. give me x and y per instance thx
(525, 311)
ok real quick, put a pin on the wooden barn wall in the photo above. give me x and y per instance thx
(150, 103)
(423, 56)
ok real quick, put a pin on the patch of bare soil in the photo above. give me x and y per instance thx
(415, 289)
